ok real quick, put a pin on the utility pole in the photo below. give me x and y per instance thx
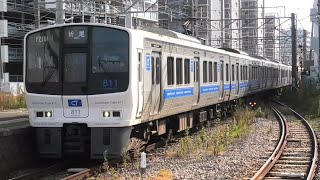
(222, 24)
(37, 13)
(318, 34)
(294, 50)
(304, 46)
(263, 30)
(60, 12)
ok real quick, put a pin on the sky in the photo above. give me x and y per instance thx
(300, 7)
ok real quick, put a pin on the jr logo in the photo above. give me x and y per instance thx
(74, 102)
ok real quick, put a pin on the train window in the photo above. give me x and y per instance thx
(186, 71)
(250, 72)
(158, 69)
(246, 72)
(140, 67)
(215, 72)
(196, 70)
(232, 71)
(205, 71)
(241, 73)
(75, 65)
(210, 72)
(152, 69)
(170, 70)
(179, 71)
(237, 73)
(227, 72)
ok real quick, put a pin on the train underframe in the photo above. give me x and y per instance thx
(96, 143)
(79, 140)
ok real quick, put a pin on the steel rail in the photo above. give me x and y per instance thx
(313, 164)
(80, 175)
(263, 171)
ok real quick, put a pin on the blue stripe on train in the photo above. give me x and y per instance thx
(183, 92)
(176, 93)
(210, 89)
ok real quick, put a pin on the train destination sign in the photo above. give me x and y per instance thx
(76, 35)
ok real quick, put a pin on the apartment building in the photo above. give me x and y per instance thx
(232, 25)
(272, 37)
(252, 26)
(201, 18)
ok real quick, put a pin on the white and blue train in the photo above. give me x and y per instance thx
(92, 87)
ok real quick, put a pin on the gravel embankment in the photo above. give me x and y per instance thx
(240, 159)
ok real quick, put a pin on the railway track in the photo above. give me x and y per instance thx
(296, 155)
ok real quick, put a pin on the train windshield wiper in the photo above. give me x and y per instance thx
(49, 75)
(101, 64)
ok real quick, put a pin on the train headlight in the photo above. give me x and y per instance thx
(48, 114)
(106, 114)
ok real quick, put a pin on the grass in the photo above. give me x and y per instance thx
(8, 101)
(163, 174)
(215, 141)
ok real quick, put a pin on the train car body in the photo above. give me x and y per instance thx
(90, 87)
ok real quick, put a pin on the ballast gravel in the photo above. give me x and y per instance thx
(240, 160)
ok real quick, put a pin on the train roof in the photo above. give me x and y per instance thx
(172, 34)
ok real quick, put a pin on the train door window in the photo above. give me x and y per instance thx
(196, 70)
(255, 73)
(152, 70)
(241, 72)
(210, 72)
(215, 72)
(205, 71)
(227, 72)
(170, 70)
(237, 72)
(250, 72)
(140, 69)
(232, 71)
(186, 71)
(245, 72)
(221, 72)
(158, 74)
(179, 71)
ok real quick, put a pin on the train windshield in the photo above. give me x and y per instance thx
(77, 60)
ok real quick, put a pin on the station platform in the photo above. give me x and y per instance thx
(14, 118)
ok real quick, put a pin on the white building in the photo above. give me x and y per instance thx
(232, 25)
(252, 26)
(314, 18)
(201, 18)
(271, 37)
(286, 46)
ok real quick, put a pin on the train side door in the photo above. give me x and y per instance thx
(196, 83)
(237, 80)
(221, 79)
(156, 82)
(74, 76)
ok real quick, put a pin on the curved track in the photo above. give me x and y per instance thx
(296, 155)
